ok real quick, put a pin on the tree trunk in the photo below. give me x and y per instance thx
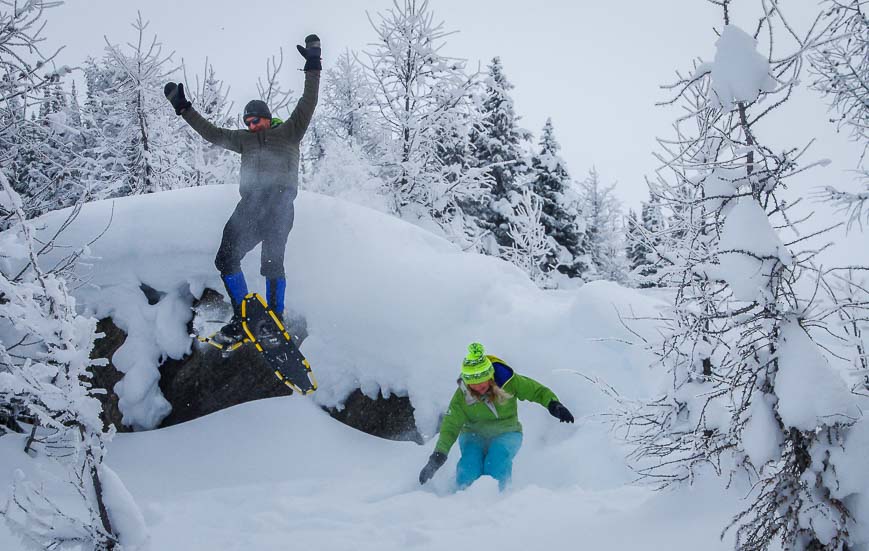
(111, 537)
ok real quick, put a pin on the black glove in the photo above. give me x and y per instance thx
(175, 94)
(557, 409)
(435, 462)
(311, 52)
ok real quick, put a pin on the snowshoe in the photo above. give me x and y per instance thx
(230, 333)
(267, 332)
(230, 337)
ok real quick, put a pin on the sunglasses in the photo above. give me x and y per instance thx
(253, 120)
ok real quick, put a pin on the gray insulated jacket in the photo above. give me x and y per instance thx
(269, 158)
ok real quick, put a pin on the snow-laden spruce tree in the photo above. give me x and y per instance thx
(840, 63)
(345, 171)
(560, 202)
(136, 146)
(643, 241)
(34, 144)
(498, 143)
(604, 235)
(56, 176)
(636, 253)
(419, 93)
(749, 388)
(455, 149)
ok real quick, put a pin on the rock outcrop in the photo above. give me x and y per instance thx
(205, 382)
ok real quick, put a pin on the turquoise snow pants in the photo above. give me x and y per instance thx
(491, 456)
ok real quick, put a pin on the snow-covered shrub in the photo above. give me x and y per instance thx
(45, 345)
(749, 388)
(531, 246)
(45, 349)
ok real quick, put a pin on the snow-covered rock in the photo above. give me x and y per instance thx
(390, 307)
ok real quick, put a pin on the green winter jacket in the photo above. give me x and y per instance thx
(468, 414)
(269, 158)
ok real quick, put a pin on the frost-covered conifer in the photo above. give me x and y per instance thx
(137, 146)
(750, 391)
(419, 93)
(34, 133)
(562, 215)
(348, 111)
(344, 170)
(346, 138)
(499, 144)
(644, 241)
(635, 252)
(601, 213)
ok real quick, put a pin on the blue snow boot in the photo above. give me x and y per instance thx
(275, 290)
(236, 288)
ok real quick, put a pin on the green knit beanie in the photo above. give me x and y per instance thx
(477, 367)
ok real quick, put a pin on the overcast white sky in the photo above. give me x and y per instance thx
(593, 66)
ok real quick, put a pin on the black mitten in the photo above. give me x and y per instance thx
(175, 94)
(435, 462)
(557, 410)
(311, 52)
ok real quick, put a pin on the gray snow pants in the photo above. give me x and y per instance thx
(260, 217)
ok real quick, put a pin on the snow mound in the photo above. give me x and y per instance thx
(390, 307)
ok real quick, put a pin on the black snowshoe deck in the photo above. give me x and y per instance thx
(266, 332)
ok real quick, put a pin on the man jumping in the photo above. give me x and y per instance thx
(269, 182)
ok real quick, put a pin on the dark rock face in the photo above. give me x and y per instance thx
(390, 418)
(205, 382)
(106, 376)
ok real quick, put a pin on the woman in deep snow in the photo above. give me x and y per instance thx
(483, 416)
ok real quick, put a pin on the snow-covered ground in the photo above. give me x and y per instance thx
(280, 472)
(390, 308)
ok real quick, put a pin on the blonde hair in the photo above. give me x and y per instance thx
(496, 394)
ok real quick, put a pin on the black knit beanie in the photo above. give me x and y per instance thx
(257, 108)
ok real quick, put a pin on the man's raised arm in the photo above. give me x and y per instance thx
(225, 138)
(304, 111)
